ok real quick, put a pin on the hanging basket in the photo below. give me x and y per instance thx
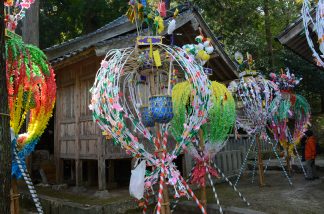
(161, 108)
(146, 115)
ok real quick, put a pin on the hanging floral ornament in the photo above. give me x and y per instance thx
(212, 135)
(31, 91)
(292, 107)
(220, 117)
(131, 101)
(257, 102)
(253, 97)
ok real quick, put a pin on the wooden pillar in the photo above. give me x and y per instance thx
(59, 170)
(260, 162)
(77, 114)
(101, 165)
(14, 207)
(111, 174)
(57, 142)
(78, 172)
(203, 197)
(188, 164)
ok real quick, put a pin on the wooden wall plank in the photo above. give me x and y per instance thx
(77, 113)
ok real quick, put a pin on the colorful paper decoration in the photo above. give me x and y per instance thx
(291, 107)
(254, 96)
(221, 114)
(150, 13)
(161, 108)
(258, 100)
(200, 51)
(220, 120)
(116, 102)
(15, 11)
(31, 90)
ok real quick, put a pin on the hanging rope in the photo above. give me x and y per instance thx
(214, 190)
(231, 184)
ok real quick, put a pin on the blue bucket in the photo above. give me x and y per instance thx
(161, 108)
(146, 116)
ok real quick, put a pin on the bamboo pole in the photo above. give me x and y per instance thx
(203, 197)
(260, 162)
(165, 208)
(288, 159)
(170, 76)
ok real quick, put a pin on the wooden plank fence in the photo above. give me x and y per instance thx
(230, 159)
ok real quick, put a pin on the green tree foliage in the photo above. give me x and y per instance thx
(240, 23)
(61, 20)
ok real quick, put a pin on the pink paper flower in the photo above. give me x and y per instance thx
(148, 184)
(25, 5)
(104, 64)
(117, 107)
(273, 75)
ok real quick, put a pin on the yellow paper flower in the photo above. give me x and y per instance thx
(160, 24)
(203, 55)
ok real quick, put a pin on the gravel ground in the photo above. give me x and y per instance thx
(277, 197)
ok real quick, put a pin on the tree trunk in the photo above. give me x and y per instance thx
(30, 28)
(322, 103)
(5, 142)
(267, 26)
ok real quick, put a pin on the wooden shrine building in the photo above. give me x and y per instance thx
(294, 38)
(81, 153)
